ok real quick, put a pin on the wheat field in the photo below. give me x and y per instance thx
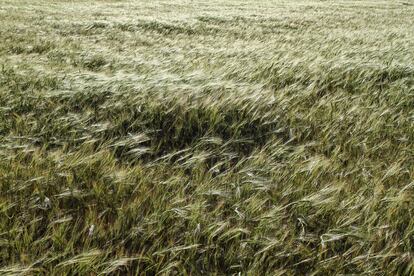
(191, 137)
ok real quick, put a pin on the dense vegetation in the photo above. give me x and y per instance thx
(206, 137)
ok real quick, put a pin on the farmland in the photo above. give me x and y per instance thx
(206, 137)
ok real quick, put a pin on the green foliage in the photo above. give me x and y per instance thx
(206, 137)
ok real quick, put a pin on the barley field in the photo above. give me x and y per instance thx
(190, 137)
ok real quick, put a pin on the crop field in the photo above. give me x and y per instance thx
(189, 137)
